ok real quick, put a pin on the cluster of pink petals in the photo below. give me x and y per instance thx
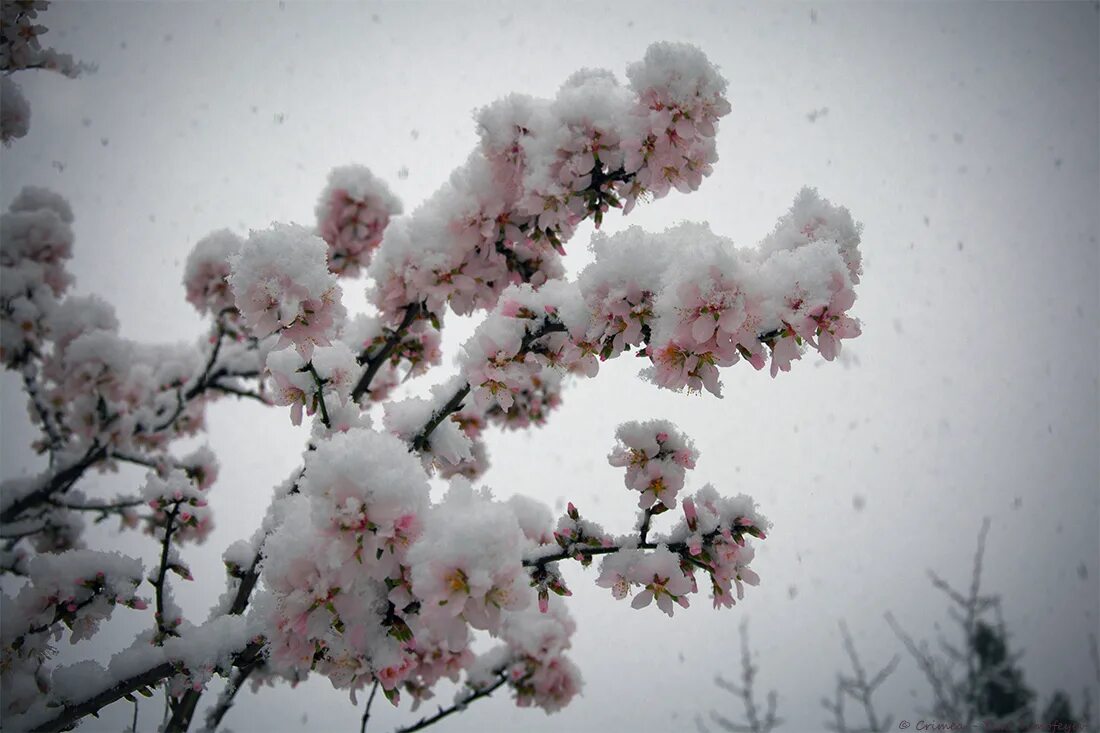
(36, 241)
(281, 283)
(206, 273)
(79, 588)
(352, 214)
(184, 499)
(542, 168)
(715, 530)
(656, 457)
(672, 146)
(657, 573)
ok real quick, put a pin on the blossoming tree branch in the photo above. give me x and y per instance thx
(356, 574)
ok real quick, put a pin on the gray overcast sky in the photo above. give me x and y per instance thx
(964, 137)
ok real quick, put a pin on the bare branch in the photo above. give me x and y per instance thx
(500, 679)
(753, 723)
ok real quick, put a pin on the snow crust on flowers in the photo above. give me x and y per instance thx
(680, 70)
(471, 570)
(36, 241)
(281, 283)
(330, 564)
(811, 219)
(20, 49)
(370, 471)
(185, 499)
(543, 166)
(78, 314)
(33, 198)
(78, 588)
(532, 658)
(354, 209)
(206, 273)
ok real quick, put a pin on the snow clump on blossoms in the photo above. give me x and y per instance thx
(207, 271)
(282, 285)
(542, 167)
(333, 567)
(352, 213)
(20, 49)
(78, 588)
(36, 240)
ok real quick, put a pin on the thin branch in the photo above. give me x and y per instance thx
(162, 572)
(117, 506)
(753, 722)
(237, 392)
(643, 530)
(320, 393)
(225, 701)
(70, 714)
(420, 441)
(587, 551)
(366, 710)
(860, 689)
(423, 723)
(527, 345)
(60, 482)
(53, 438)
(375, 361)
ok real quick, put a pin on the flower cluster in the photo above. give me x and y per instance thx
(324, 380)
(206, 274)
(656, 457)
(672, 144)
(657, 572)
(179, 501)
(710, 537)
(336, 569)
(542, 167)
(20, 49)
(714, 529)
(36, 240)
(79, 589)
(356, 573)
(352, 214)
(281, 284)
(533, 660)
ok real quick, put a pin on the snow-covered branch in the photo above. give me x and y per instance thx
(356, 573)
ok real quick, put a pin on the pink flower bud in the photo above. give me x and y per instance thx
(689, 513)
